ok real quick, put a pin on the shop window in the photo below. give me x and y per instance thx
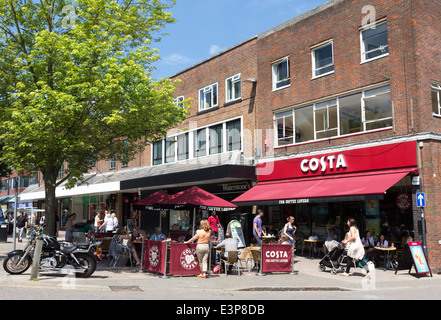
(377, 108)
(436, 101)
(323, 60)
(350, 114)
(304, 124)
(234, 88)
(374, 42)
(326, 119)
(281, 74)
(234, 135)
(284, 123)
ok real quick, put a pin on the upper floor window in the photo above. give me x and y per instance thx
(233, 87)
(374, 42)
(178, 101)
(208, 97)
(358, 112)
(323, 60)
(436, 99)
(281, 76)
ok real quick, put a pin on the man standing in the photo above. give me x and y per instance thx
(21, 225)
(214, 222)
(257, 228)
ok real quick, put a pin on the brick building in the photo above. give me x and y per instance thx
(360, 82)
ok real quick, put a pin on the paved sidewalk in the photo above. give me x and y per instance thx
(308, 278)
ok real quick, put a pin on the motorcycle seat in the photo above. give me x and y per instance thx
(68, 250)
(83, 245)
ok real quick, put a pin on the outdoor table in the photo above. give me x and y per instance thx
(267, 239)
(387, 253)
(311, 244)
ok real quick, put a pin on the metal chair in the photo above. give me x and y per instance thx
(245, 256)
(117, 249)
(255, 255)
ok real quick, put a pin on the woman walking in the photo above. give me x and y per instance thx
(203, 248)
(355, 248)
(289, 230)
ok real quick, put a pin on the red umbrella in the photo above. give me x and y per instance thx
(147, 203)
(197, 198)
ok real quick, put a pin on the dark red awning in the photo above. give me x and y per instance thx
(324, 188)
(147, 203)
(197, 198)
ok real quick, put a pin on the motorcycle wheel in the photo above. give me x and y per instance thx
(87, 262)
(10, 264)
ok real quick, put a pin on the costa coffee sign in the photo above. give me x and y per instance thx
(323, 163)
(391, 156)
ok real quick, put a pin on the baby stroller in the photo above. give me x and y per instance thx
(333, 259)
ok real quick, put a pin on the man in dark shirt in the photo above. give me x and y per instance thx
(21, 225)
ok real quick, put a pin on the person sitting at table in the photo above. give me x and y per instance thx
(136, 235)
(229, 244)
(189, 235)
(331, 241)
(158, 235)
(382, 242)
(284, 239)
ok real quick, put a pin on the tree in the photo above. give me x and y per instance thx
(77, 87)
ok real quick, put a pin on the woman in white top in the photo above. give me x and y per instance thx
(108, 223)
(355, 248)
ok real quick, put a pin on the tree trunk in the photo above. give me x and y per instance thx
(51, 204)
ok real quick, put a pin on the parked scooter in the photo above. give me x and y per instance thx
(81, 259)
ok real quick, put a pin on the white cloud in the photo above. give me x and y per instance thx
(215, 49)
(176, 59)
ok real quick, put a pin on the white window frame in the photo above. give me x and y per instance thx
(274, 74)
(436, 87)
(234, 79)
(205, 90)
(327, 120)
(362, 44)
(314, 67)
(339, 134)
(178, 101)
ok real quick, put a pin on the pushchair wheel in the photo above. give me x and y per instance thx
(322, 268)
(334, 271)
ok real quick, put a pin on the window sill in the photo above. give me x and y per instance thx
(208, 110)
(436, 115)
(376, 58)
(323, 75)
(334, 137)
(277, 89)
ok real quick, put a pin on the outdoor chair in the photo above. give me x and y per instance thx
(245, 256)
(255, 256)
(117, 249)
(233, 259)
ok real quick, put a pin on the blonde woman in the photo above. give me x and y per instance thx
(203, 248)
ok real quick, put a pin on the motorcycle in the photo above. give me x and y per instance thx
(81, 259)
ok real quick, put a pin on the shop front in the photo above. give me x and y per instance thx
(374, 185)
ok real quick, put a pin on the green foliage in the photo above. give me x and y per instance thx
(85, 93)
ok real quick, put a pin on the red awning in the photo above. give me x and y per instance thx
(147, 202)
(346, 187)
(197, 198)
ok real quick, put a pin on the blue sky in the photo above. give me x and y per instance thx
(206, 27)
